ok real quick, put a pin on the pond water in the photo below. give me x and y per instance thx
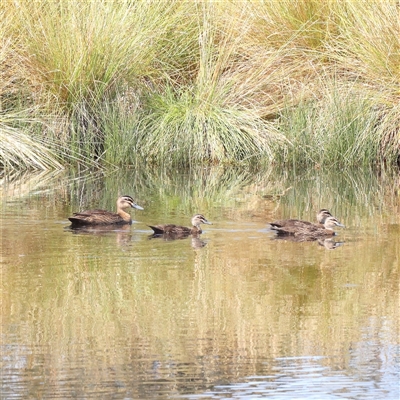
(235, 313)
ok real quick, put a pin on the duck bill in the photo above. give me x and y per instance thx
(341, 225)
(134, 205)
(207, 222)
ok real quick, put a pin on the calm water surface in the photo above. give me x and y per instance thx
(115, 314)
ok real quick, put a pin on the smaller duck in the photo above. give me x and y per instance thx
(308, 231)
(103, 217)
(176, 230)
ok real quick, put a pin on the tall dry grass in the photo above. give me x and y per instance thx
(181, 83)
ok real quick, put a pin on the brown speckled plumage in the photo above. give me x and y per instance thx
(292, 225)
(306, 229)
(103, 217)
(170, 229)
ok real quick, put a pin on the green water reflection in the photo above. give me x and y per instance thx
(115, 314)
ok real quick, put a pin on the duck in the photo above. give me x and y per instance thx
(294, 224)
(177, 230)
(307, 230)
(103, 217)
(322, 215)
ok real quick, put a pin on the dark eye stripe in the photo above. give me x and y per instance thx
(128, 199)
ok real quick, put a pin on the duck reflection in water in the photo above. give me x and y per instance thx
(196, 242)
(328, 243)
(123, 233)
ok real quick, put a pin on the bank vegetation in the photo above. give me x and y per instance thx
(306, 83)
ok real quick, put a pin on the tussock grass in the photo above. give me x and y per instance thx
(18, 150)
(212, 118)
(343, 133)
(181, 129)
(368, 41)
(179, 83)
(82, 50)
(302, 25)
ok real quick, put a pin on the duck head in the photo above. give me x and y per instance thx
(125, 201)
(322, 215)
(331, 222)
(199, 219)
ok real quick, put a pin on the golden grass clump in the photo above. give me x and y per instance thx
(19, 150)
(78, 50)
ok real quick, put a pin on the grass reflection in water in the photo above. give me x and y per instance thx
(111, 313)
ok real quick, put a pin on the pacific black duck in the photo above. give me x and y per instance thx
(307, 230)
(177, 230)
(103, 217)
(292, 225)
